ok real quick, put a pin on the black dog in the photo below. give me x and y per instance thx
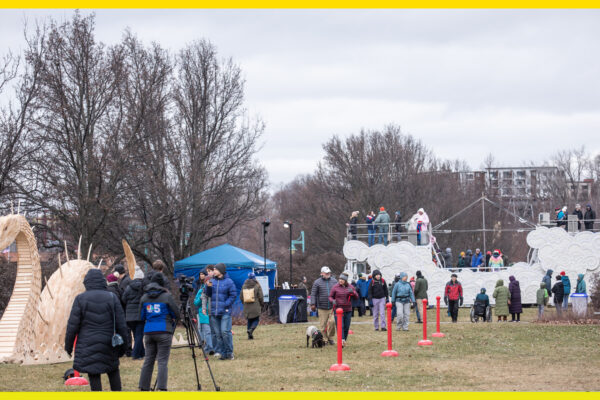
(312, 332)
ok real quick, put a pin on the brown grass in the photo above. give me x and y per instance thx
(473, 357)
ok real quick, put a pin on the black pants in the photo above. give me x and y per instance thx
(453, 307)
(137, 327)
(517, 314)
(346, 319)
(114, 378)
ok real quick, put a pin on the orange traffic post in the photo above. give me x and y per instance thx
(389, 352)
(437, 312)
(425, 341)
(339, 366)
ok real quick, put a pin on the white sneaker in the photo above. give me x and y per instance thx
(217, 355)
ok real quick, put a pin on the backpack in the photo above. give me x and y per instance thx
(248, 295)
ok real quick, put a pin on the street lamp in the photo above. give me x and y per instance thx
(265, 225)
(288, 225)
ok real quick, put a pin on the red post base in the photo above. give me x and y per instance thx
(339, 367)
(389, 353)
(438, 334)
(425, 342)
(350, 332)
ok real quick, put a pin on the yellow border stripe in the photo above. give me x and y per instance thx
(302, 4)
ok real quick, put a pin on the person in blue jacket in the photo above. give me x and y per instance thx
(477, 260)
(222, 294)
(203, 320)
(567, 287)
(159, 311)
(363, 291)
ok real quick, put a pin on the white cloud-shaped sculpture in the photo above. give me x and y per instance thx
(557, 250)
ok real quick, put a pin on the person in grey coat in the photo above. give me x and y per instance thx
(547, 279)
(319, 299)
(382, 223)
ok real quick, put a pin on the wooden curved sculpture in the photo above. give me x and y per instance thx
(33, 326)
(17, 327)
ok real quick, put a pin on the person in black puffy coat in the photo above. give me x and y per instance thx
(95, 316)
(131, 299)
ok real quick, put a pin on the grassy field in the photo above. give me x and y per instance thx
(473, 357)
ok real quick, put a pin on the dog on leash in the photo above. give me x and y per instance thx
(312, 332)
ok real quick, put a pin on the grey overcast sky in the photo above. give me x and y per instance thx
(519, 83)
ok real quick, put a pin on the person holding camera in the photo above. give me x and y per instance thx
(159, 312)
(96, 322)
(222, 294)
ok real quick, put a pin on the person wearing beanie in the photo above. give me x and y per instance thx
(462, 262)
(453, 296)
(391, 288)
(252, 298)
(579, 214)
(341, 296)
(159, 312)
(319, 300)
(420, 291)
(131, 299)
(222, 294)
(157, 266)
(113, 285)
(378, 295)
(371, 228)
(403, 296)
(382, 222)
(566, 288)
(559, 292)
(562, 218)
(477, 262)
(495, 262)
(515, 306)
(541, 297)
(589, 218)
(124, 278)
(200, 301)
(398, 225)
(482, 301)
(304, 284)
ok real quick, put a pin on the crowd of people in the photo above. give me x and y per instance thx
(383, 227)
(585, 220)
(491, 261)
(120, 316)
(328, 294)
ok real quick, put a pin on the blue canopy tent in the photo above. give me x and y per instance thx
(239, 264)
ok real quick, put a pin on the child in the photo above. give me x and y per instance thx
(541, 299)
(203, 319)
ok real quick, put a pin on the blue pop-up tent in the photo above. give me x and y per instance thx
(239, 264)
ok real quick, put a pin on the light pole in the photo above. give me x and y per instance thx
(265, 225)
(288, 225)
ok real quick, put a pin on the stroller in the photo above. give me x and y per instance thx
(480, 310)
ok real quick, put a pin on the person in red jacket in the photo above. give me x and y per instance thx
(341, 296)
(453, 296)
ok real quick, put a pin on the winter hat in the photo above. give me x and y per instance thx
(403, 275)
(412, 278)
(448, 250)
(453, 276)
(325, 270)
(111, 278)
(221, 268)
(381, 209)
(251, 275)
(138, 274)
(562, 273)
(375, 273)
(397, 212)
(488, 253)
(361, 275)
(344, 276)
(558, 277)
(419, 275)
(469, 252)
(119, 268)
(477, 249)
(203, 272)
(482, 290)
(564, 209)
(158, 278)
(421, 210)
(462, 253)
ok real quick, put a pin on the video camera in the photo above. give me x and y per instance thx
(186, 287)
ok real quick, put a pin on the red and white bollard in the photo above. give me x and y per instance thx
(339, 366)
(437, 312)
(389, 352)
(425, 341)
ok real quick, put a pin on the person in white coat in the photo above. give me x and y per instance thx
(421, 216)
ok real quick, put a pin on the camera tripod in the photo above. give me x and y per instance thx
(193, 339)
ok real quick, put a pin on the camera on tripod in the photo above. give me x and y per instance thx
(186, 287)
